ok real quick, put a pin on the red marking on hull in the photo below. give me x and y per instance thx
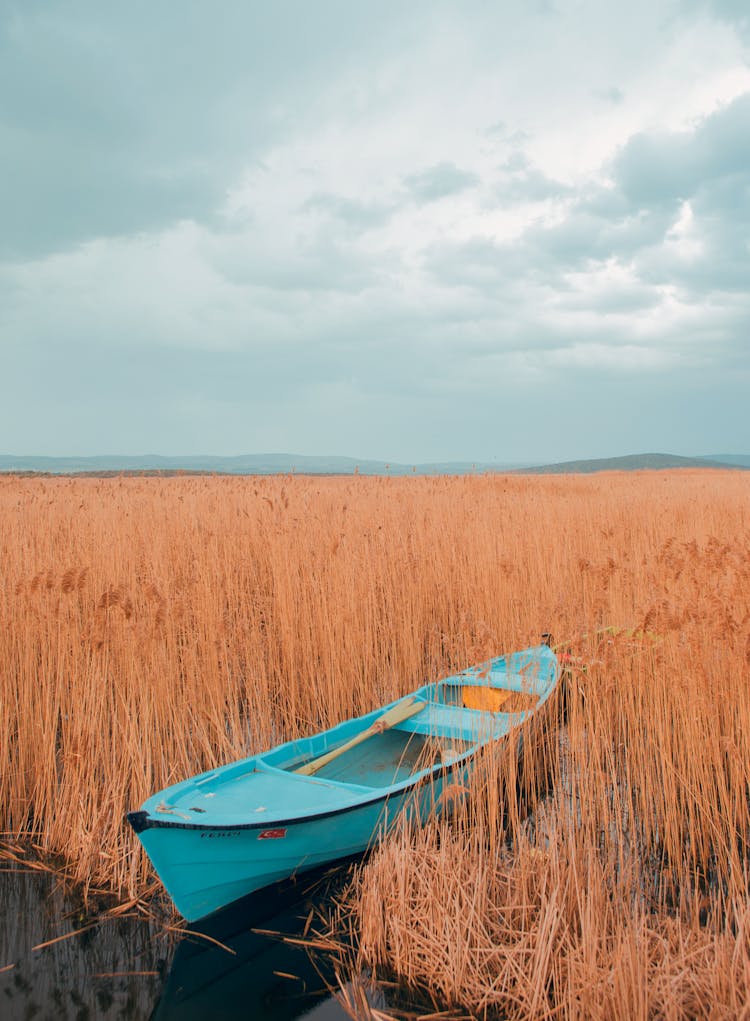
(271, 834)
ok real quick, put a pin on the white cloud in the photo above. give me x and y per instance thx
(485, 197)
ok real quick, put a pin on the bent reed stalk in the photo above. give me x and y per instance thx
(156, 627)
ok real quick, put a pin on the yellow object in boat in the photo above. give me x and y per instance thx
(497, 700)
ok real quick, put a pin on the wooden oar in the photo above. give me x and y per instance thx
(400, 712)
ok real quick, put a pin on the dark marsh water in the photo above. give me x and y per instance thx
(132, 968)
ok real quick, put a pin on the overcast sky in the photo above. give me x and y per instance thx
(410, 231)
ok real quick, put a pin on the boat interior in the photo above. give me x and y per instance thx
(441, 723)
(456, 716)
(386, 759)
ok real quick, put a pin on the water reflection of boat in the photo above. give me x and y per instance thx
(264, 978)
(220, 835)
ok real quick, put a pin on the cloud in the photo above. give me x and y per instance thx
(670, 167)
(646, 273)
(611, 95)
(439, 181)
(289, 228)
(120, 121)
(735, 12)
(355, 214)
(702, 178)
(519, 180)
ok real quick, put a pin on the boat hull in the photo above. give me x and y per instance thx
(203, 869)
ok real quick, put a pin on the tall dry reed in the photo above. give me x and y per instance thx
(152, 628)
(621, 892)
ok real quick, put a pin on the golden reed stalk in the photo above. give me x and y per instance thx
(152, 628)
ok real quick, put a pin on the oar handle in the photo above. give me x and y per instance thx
(396, 714)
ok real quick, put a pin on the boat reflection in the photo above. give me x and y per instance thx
(256, 973)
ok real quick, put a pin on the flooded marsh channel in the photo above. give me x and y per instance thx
(134, 967)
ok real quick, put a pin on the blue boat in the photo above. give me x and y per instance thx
(223, 834)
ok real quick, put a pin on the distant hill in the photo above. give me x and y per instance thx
(245, 464)
(276, 464)
(738, 460)
(632, 462)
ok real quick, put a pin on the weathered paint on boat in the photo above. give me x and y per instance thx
(223, 834)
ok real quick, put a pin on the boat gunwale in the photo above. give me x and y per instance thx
(410, 782)
(140, 824)
(142, 819)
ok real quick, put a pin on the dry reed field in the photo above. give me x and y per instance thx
(152, 628)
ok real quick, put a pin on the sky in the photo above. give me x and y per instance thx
(416, 231)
